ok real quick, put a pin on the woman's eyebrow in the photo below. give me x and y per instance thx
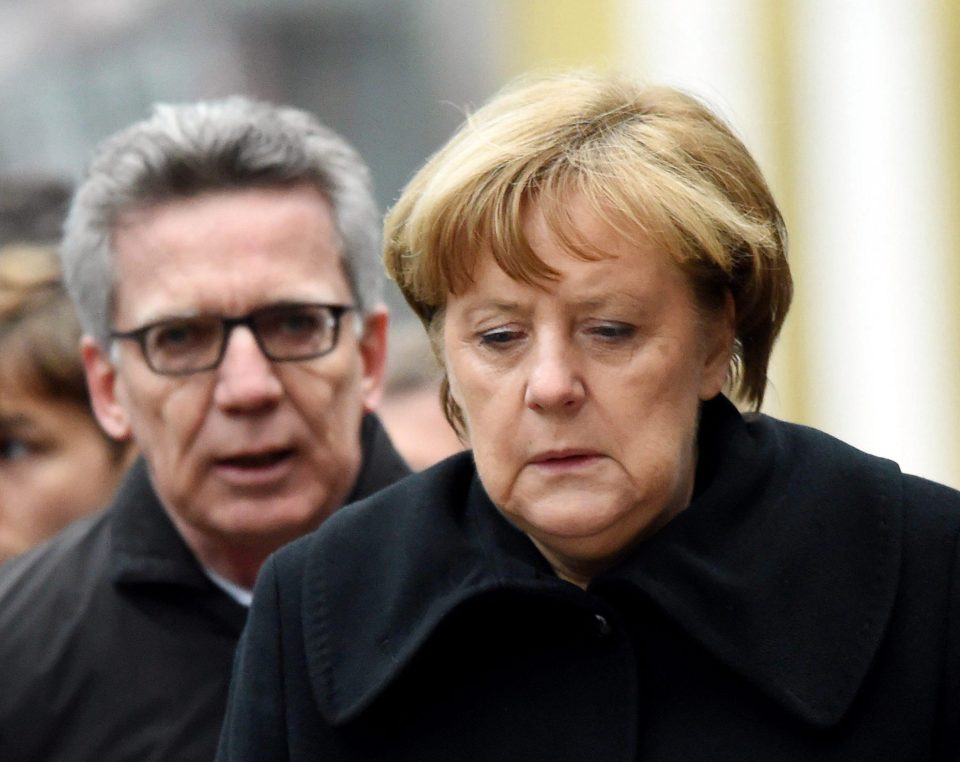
(16, 423)
(492, 306)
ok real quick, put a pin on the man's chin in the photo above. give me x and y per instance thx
(276, 530)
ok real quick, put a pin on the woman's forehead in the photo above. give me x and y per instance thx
(612, 268)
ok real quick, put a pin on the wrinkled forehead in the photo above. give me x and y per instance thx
(229, 252)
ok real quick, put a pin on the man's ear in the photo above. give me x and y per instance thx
(102, 383)
(720, 331)
(373, 353)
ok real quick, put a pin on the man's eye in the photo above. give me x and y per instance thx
(179, 336)
(173, 335)
(299, 323)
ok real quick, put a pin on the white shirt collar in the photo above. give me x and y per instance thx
(240, 594)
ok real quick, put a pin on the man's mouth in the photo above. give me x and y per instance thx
(257, 460)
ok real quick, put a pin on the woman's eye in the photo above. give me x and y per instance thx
(499, 337)
(613, 331)
(13, 449)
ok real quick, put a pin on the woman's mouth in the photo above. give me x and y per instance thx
(565, 460)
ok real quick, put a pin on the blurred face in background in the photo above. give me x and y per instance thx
(56, 465)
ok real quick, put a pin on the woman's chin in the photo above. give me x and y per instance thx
(575, 530)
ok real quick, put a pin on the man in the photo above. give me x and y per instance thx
(223, 257)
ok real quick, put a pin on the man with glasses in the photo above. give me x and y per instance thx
(224, 260)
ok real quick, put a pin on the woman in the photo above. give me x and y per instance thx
(56, 465)
(625, 567)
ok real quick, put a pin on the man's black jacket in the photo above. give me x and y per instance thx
(114, 643)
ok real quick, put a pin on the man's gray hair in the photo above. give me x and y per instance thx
(186, 149)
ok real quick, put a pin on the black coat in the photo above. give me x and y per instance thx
(806, 606)
(115, 645)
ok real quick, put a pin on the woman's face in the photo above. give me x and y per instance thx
(581, 395)
(55, 466)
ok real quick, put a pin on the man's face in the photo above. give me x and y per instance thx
(253, 452)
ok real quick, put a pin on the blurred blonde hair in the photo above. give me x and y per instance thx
(39, 331)
(652, 162)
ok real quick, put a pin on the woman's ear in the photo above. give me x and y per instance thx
(102, 383)
(720, 330)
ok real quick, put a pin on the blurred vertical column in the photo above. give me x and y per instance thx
(947, 46)
(541, 35)
(876, 152)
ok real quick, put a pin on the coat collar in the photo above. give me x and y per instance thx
(784, 566)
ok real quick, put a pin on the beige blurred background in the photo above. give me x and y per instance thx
(851, 106)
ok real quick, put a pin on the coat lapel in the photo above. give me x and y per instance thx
(373, 593)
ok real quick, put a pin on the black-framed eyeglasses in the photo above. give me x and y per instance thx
(284, 333)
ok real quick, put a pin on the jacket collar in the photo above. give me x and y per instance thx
(381, 464)
(784, 566)
(147, 548)
(149, 557)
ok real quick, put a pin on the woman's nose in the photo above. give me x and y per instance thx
(246, 378)
(554, 381)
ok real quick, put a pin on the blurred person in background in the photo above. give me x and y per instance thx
(625, 566)
(56, 463)
(411, 409)
(32, 208)
(223, 257)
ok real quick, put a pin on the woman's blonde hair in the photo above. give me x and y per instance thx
(652, 162)
(39, 331)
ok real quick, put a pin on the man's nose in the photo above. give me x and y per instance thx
(554, 381)
(246, 378)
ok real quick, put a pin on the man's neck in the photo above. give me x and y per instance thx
(242, 595)
(236, 562)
